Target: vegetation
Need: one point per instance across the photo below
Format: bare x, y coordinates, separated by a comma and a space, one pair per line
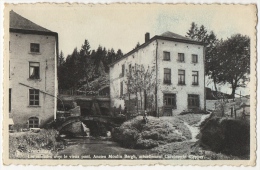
141, 82
85, 65
136, 134
232, 56
25, 142
226, 135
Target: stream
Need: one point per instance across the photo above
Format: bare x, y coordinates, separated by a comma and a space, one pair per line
83, 146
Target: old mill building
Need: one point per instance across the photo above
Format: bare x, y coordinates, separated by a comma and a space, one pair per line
179, 75
33, 52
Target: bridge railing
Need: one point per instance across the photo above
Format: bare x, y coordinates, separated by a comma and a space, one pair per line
75, 92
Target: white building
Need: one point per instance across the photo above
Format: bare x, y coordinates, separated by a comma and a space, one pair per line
33, 52
179, 75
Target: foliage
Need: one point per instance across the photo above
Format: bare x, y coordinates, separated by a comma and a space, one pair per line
136, 134
140, 81
232, 57
210, 40
27, 141
225, 135
85, 65
92, 87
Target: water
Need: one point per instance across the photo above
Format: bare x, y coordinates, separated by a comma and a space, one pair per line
98, 146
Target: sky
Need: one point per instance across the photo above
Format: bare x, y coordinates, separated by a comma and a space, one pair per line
122, 26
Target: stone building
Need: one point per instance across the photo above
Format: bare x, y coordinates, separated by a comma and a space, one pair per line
179, 74
33, 52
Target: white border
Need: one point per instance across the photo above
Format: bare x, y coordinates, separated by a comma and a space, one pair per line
120, 167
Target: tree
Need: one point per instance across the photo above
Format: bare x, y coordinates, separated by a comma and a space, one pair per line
61, 70
71, 70
210, 41
84, 66
193, 31
119, 54
61, 59
140, 82
110, 57
234, 54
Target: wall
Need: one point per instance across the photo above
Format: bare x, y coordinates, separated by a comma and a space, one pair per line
144, 56
181, 91
19, 73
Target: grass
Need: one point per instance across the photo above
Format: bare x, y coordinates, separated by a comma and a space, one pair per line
157, 131
191, 119
25, 142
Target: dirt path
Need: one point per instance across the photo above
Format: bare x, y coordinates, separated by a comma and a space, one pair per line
194, 129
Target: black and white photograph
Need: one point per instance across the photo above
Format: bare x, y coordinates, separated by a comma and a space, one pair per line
139, 82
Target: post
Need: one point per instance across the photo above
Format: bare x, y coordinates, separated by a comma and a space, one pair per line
235, 113
231, 111
240, 95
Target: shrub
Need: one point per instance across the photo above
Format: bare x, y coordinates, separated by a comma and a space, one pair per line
230, 136
27, 141
136, 134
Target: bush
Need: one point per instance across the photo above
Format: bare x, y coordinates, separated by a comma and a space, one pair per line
230, 136
26, 141
136, 134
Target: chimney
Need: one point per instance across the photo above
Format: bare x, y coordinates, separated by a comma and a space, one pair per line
147, 37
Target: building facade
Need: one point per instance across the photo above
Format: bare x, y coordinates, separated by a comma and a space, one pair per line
179, 74
33, 52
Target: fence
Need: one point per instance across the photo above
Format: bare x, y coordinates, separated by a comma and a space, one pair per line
235, 110
75, 92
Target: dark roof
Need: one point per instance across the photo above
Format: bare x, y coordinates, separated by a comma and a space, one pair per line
170, 36
173, 35
21, 24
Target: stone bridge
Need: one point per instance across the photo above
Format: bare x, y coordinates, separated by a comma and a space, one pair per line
94, 113
97, 124
89, 105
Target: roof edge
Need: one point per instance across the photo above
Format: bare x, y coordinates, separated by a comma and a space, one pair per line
23, 31
155, 38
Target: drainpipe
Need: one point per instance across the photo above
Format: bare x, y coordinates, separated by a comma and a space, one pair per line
204, 53
156, 67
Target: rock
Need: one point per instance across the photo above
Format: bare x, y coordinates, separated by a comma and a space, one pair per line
73, 129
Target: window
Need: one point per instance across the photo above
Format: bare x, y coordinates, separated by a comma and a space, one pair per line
33, 97
169, 100
33, 122
167, 76
194, 58
10, 100
181, 57
166, 56
123, 70
195, 76
130, 68
34, 70
35, 48
181, 77
193, 101
121, 89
